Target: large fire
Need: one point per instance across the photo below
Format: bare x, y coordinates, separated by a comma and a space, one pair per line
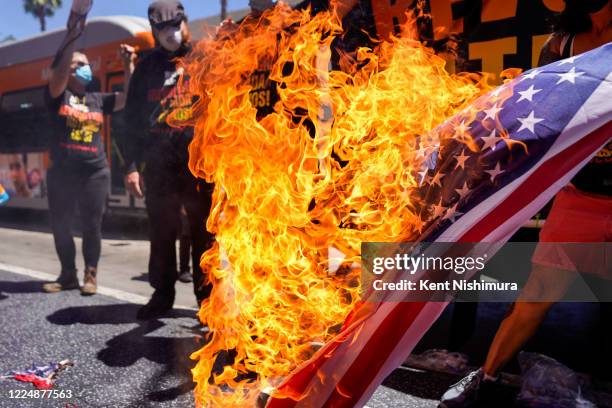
297, 191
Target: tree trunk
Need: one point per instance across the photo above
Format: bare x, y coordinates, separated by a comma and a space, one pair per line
41, 18
223, 10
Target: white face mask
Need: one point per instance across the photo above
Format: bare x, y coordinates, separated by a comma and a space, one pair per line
171, 38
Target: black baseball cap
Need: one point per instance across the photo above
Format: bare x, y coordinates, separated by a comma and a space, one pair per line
166, 12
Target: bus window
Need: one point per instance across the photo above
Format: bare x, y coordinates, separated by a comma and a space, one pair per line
25, 126
23, 100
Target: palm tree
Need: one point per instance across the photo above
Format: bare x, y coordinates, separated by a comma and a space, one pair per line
41, 9
7, 38
223, 10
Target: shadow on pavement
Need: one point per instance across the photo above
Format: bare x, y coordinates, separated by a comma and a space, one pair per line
19, 287
143, 277
171, 348
171, 393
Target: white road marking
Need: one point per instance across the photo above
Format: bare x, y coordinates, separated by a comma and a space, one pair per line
103, 290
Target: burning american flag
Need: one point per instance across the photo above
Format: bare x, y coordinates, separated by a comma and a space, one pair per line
389, 148
560, 117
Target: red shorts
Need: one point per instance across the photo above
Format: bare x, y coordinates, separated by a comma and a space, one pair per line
577, 217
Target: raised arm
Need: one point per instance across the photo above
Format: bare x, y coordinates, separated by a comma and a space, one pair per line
128, 55
60, 68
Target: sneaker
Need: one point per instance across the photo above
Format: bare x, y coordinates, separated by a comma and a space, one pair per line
185, 276
60, 285
90, 285
157, 306
464, 393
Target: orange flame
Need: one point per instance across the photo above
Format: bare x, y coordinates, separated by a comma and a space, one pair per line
286, 213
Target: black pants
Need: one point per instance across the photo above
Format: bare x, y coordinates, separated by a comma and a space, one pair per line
69, 187
167, 189
184, 243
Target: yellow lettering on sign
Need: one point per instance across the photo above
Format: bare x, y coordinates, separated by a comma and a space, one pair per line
491, 53
554, 5
493, 10
442, 18
536, 45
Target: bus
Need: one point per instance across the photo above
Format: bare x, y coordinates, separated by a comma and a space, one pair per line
24, 73
496, 34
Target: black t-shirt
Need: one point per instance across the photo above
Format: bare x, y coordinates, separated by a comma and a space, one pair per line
264, 93
77, 128
596, 176
157, 89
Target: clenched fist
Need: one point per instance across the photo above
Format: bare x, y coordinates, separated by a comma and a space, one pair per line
81, 7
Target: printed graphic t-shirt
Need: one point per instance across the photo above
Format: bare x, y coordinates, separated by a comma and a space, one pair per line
158, 91
264, 94
77, 128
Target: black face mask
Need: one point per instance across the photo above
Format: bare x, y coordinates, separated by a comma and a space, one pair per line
593, 6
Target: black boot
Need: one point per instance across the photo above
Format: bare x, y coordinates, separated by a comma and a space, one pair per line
158, 305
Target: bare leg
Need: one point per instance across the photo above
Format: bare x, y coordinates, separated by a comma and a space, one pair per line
516, 329
543, 289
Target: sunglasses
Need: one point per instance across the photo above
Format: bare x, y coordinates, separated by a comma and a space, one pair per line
176, 23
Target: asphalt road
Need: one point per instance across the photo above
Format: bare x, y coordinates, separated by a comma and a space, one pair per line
123, 362
118, 360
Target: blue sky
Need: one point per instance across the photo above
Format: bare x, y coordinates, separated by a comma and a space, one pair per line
14, 21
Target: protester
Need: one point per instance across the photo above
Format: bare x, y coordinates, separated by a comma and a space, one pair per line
587, 202
158, 89
79, 173
263, 94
